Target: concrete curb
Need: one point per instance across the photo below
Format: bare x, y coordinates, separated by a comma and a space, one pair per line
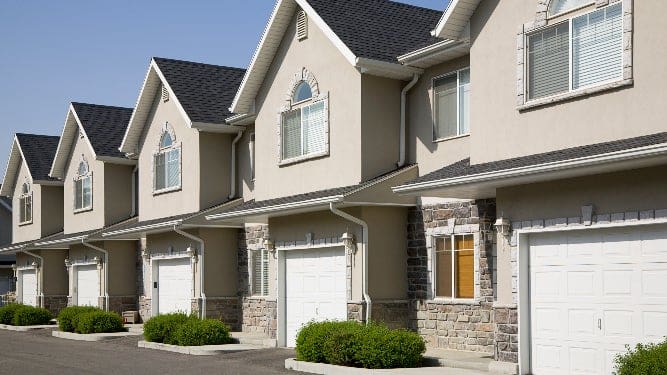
92, 336
26, 328
254, 340
324, 369
199, 350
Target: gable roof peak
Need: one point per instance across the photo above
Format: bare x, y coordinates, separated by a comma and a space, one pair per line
37, 152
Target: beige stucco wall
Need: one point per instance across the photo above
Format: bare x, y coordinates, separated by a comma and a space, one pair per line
52, 209
608, 193
215, 164
186, 199
54, 272
335, 76
94, 218
26, 232
500, 131
380, 125
117, 192
245, 180
421, 147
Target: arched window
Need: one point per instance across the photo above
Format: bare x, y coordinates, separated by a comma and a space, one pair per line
560, 6
83, 188
167, 162
302, 92
25, 204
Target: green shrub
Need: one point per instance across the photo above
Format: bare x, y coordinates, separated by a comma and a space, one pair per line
98, 322
68, 314
31, 316
643, 360
382, 348
350, 344
7, 313
162, 328
195, 332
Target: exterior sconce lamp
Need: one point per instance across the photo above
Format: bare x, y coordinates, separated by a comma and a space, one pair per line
270, 246
35, 264
348, 241
503, 226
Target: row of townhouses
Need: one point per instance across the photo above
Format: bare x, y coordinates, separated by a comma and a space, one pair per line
493, 176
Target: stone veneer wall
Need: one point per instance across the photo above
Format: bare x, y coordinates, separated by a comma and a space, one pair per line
55, 303
444, 324
395, 314
120, 304
226, 309
259, 315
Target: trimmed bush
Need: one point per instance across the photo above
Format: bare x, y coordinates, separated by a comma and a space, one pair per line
162, 328
351, 344
7, 313
31, 316
648, 359
195, 332
68, 314
98, 322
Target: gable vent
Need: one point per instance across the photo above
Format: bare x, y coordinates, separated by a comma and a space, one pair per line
165, 94
302, 25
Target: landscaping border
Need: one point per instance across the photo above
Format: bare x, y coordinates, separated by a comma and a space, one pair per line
199, 350
93, 336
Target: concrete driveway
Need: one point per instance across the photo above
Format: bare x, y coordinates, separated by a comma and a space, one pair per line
37, 352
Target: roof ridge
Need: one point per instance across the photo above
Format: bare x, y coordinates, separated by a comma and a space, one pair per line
38, 135
198, 63
102, 105
416, 6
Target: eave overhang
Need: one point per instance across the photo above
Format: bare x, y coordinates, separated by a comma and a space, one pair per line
455, 19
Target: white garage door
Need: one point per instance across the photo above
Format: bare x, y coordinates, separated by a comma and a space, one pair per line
593, 292
29, 287
315, 288
87, 285
174, 286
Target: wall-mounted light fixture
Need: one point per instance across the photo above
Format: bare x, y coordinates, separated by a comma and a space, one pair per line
503, 226
270, 246
348, 241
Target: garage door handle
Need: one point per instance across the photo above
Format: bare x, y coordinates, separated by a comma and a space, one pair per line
600, 324
155, 285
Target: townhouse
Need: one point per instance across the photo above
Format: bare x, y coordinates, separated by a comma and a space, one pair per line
185, 154
37, 202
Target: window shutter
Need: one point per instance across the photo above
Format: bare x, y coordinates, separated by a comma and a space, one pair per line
291, 134
302, 25
548, 61
265, 272
314, 128
597, 46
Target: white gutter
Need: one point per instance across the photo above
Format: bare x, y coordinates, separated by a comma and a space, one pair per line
232, 188
144, 228
61, 241
106, 271
401, 145
587, 161
364, 244
201, 267
40, 287
419, 54
280, 207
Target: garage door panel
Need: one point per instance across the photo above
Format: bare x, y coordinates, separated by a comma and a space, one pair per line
174, 286
606, 291
88, 285
29, 287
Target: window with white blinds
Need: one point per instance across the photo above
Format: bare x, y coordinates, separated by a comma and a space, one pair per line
583, 51
304, 131
260, 261
83, 188
167, 165
451, 96
25, 204
560, 6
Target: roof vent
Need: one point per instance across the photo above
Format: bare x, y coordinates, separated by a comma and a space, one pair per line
165, 94
302, 25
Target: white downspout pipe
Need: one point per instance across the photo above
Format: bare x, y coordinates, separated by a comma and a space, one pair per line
402, 137
40, 287
232, 188
201, 267
364, 251
106, 271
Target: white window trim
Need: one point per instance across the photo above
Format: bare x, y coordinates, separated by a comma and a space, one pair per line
254, 292
165, 150
76, 179
314, 100
623, 80
458, 106
432, 267
22, 208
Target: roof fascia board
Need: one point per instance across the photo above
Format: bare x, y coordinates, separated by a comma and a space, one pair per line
5, 205
9, 180
242, 119
58, 165
433, 50
588, 161
63, 241
455, 7
276, 208
217, 128
83, 131
382, 68
143, 229
134, 112
115, 160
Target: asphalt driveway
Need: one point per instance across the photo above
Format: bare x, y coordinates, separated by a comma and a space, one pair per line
37, 352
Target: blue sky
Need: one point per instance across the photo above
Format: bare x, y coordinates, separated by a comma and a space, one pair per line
55, 52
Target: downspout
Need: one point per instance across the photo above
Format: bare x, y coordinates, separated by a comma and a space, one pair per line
106, 271
201, 267
402, 137
41, 276
134, 190
232, 188
364, 251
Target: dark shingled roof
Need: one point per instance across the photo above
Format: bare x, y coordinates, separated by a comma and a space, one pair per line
105, 126
205, 91
379, 29
39, 151
463, 168
6, 200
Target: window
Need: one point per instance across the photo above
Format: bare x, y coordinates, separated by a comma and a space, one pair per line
260, 281
167, 163
560, 6
304, 129
83, 188
451, 95
581, 52
25, 204
454, 266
